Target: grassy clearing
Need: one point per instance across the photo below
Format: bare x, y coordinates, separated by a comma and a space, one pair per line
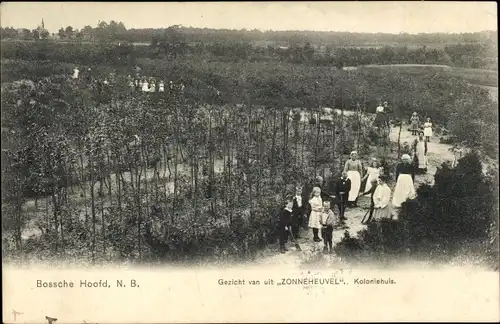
474, 76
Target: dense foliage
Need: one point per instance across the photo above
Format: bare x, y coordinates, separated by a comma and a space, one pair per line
105, 172
466, 55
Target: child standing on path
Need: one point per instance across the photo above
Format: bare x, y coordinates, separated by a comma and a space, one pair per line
285, 222
316, 204
328, 220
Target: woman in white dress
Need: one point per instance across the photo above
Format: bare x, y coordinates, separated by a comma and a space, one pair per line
405, 188
381, 199
145, 86
354, 170
372, 172
316, 205
428, 130
76, 73
420, 147
161, 87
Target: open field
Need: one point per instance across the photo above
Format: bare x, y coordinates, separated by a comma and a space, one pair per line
480, 77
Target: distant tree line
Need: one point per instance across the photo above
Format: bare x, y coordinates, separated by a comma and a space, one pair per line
461, 55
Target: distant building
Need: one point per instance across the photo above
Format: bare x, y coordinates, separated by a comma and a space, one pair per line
41, 30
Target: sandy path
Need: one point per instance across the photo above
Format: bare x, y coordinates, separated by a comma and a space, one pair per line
437, 154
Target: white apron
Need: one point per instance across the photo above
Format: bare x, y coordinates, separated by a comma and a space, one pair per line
404, 190
428, 129
422, 158
373, 173
316, 211
355, 178
145, 87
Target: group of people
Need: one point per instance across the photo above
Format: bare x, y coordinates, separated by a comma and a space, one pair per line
137, 83
416, 128
323, 209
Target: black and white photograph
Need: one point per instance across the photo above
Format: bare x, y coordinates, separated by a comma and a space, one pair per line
344, 146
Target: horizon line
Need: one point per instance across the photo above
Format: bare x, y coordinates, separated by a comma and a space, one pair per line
278, 31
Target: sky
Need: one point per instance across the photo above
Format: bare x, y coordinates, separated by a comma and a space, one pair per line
372, 17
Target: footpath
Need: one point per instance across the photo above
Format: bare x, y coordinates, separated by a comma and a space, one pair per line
312, 251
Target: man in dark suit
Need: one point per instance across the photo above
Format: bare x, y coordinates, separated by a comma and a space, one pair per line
342, 190
374, 183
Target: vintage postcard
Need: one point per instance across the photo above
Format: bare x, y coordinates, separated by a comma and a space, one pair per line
199, 162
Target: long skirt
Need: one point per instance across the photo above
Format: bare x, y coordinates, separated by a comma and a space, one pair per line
414, 126
428, 131
422, 158
404, 190
355, 178
380, 120
380, 213
314, 220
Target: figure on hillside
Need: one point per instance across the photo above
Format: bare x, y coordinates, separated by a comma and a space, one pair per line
299, 210
316, 204
285, 222
428, 129
372, 172
457, 155
405, 175
354, 170
152, 87
145, 86
380, 117
342, 189
371, 191
420, 153
161, 87
414, 123
381, 199
76, 73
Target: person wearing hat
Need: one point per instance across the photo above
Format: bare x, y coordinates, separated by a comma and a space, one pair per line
428, 130
405, 175
381, 199
372, 173
414, 122
354, 170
